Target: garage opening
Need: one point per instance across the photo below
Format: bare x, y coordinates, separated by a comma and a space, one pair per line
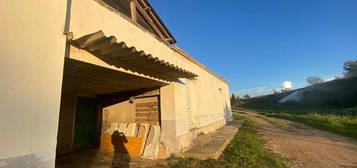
98, 107
110, 100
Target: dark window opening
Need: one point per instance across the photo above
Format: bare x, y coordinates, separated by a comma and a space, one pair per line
121, 5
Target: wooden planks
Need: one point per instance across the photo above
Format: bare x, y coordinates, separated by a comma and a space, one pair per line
149, 20
151, 17
133, 10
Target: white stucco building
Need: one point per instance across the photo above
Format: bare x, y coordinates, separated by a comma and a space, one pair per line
72, 69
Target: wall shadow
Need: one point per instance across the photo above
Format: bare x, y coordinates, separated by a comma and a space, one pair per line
227, 114
119, 158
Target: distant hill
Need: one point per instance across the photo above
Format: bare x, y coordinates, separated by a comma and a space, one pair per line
341, 93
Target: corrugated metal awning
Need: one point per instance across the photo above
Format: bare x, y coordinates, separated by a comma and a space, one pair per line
119, 54
89, 79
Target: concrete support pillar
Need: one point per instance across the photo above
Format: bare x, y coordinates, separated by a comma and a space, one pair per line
168, 124
174, 120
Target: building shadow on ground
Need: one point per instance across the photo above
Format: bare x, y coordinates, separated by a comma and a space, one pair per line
121, 158
95, 157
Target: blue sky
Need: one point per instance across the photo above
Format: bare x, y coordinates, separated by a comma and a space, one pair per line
256, 45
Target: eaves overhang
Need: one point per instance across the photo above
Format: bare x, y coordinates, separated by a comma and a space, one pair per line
152, 15
117, 53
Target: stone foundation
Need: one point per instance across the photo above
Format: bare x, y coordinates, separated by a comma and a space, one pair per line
208, 128
184, 142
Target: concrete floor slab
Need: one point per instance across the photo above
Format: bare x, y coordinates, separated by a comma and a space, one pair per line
94, 158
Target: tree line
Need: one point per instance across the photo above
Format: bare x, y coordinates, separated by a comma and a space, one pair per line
236, 100
349, 71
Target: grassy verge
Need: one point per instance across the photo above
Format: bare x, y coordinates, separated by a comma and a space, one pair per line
277, 124
334, 122
247, 149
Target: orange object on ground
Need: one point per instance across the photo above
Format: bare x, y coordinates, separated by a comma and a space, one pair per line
118, 142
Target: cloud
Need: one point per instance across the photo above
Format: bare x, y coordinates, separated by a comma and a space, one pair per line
326, 79
263, 90
329, 79
258, 91
287, 85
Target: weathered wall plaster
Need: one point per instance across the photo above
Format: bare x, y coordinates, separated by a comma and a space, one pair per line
123, 112
32, 55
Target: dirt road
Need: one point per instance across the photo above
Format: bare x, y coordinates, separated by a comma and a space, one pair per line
305, 146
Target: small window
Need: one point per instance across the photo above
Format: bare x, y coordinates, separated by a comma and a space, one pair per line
121, 5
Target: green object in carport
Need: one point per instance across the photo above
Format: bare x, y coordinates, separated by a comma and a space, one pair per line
86, 123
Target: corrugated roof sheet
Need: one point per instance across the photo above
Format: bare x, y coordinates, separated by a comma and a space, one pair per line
119, 54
